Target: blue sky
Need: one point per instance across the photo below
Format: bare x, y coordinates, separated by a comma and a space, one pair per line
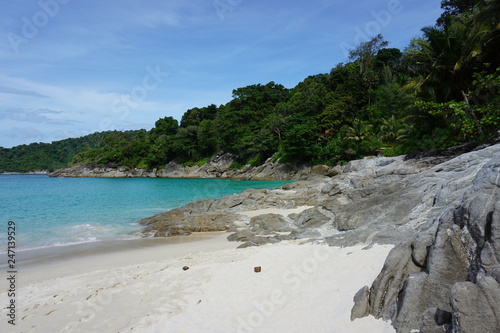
74, 67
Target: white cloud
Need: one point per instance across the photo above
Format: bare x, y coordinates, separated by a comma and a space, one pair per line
22, 133
14, 91
40, 116
69, 77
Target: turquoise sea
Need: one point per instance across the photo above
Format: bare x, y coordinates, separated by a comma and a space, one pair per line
62, 211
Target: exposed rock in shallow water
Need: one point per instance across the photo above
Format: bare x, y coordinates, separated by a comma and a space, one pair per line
226, 213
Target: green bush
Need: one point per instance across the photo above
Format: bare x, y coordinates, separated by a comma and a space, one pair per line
198, 163
237, 165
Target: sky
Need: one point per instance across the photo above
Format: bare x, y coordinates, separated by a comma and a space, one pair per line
74, 67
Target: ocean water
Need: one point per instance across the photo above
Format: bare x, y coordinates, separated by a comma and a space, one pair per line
62, 211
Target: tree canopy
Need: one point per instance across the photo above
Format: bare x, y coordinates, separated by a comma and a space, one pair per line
442, 90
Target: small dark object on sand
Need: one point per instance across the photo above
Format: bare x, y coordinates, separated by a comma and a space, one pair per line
257, 269
185, 268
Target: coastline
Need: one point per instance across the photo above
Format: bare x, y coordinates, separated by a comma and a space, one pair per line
219, 166
374, 206
59, 261
41, 172
143, 288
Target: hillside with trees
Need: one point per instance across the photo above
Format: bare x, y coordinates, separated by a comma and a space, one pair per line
55, 155
442, 90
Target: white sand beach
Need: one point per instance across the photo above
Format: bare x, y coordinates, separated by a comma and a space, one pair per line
301, 288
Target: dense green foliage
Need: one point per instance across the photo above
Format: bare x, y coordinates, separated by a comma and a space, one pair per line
442, 90
52, 156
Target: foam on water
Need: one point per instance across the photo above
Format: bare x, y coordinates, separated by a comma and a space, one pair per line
64, 211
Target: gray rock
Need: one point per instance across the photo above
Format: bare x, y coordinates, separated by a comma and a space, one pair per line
240, 235
370, 163
258, 241
371, 234
183, 222
312, 218
476, 305
388, 284
420, 249
361, 306
271, 222
307, 233
445, 277
435, 320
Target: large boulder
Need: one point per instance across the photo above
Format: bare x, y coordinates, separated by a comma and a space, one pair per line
447, 276
271, 222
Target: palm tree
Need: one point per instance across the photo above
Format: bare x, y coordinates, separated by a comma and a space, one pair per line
487, 12
358, 132
487, 15
450, 54
392, 130
447, 58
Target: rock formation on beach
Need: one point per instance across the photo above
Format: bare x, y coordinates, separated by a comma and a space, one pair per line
441, 212
446, 277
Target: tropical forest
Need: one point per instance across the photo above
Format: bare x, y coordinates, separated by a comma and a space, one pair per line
442, 90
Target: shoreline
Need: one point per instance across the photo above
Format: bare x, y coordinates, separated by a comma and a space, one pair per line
24, 173
146, 289
219, 166
141, 286
58, 261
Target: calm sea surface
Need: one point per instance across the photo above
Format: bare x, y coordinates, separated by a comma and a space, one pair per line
63, 211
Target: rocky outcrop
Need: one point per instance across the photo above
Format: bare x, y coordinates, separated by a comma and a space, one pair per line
442, 213
380, 200
446, 277
219, 166
228, 213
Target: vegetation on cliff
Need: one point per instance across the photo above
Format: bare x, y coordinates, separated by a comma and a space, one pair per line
442, 90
